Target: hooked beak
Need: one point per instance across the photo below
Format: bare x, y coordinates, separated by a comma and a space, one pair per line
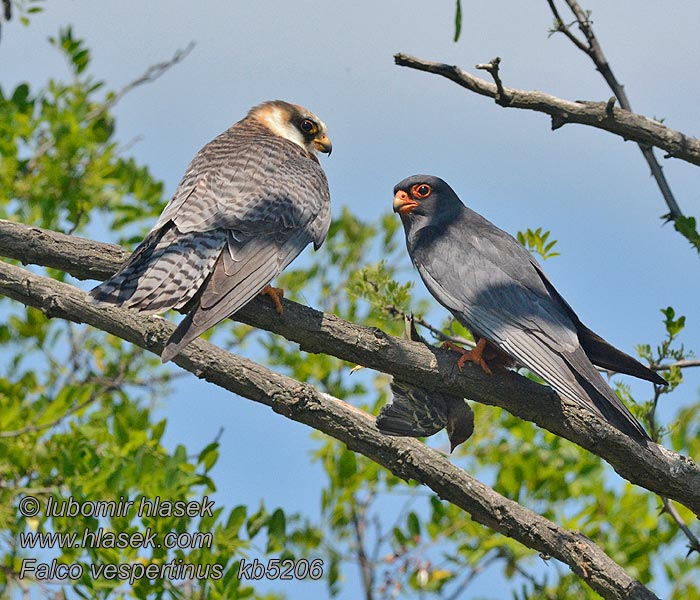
403, 204
323, 144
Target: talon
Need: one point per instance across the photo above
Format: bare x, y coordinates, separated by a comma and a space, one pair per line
475, 355
276, 294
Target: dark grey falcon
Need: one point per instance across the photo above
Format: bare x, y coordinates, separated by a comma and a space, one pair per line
250, 201
495, 288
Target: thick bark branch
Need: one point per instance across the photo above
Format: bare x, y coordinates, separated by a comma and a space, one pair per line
650, 466
406, 458
628, 125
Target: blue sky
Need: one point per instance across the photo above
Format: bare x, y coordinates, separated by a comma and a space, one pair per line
618, 265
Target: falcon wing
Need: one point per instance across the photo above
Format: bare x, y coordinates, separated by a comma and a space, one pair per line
487, 280
412, 412
279, 221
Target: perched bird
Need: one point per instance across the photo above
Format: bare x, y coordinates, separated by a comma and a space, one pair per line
250, 201
413, 412
495, 288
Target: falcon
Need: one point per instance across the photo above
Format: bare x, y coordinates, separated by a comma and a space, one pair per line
248, 204
413, 412
495, 288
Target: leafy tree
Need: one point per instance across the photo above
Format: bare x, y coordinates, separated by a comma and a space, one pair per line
76, 418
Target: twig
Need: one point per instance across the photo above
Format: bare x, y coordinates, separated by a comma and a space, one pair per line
681, 364
358, 513
437, 333
594, 51
492, 67
670, 509
151, 74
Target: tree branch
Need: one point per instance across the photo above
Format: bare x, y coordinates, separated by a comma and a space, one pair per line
406, 458
594, 51
650, 466
151, 74
626, 124
681, 364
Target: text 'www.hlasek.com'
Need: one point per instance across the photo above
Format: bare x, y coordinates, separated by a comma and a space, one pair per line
102, 537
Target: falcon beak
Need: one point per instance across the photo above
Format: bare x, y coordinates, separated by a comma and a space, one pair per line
323, 144
403, 204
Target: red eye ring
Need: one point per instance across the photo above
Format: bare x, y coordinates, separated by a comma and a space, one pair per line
421, 190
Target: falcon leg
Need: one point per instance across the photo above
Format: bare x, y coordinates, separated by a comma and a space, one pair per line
475, 355
276, 294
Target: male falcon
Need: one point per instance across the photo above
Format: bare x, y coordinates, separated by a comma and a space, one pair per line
494, 287
250, 201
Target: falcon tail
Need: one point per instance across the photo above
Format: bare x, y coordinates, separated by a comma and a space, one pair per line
602, 399
165, 271
605, 355
600, 353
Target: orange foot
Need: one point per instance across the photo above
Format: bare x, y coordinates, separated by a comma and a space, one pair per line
475, 355
276, 294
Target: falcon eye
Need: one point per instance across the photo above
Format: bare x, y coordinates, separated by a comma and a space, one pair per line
307, 126
422, 191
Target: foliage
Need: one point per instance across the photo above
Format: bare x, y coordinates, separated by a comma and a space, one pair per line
76, 409
687, 227
536, 242
458, 20
76, 405
24, 8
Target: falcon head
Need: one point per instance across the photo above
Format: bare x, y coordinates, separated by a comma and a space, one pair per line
425, 196
422, 195
294, 123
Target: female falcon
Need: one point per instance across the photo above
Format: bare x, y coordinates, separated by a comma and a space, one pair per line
250, 201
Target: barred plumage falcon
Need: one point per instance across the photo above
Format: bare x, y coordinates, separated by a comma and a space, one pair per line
414, 412
250, 201
493, 286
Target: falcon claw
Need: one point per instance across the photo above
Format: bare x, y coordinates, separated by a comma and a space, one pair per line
276, 294
475, 355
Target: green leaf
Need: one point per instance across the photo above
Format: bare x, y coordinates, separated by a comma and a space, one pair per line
687, 227
458, 20
413, 525
256, 522
276, 531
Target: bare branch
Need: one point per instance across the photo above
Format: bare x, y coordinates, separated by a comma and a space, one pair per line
359, 524
151, 74
681, 364
406, 458
650, 465
626, 124
593, 49
670, 509
566, 29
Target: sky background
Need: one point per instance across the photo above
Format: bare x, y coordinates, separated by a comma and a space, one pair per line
618, 264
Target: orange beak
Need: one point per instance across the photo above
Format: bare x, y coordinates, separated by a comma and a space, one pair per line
403, 204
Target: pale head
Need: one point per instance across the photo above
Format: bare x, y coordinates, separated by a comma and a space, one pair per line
294, 123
